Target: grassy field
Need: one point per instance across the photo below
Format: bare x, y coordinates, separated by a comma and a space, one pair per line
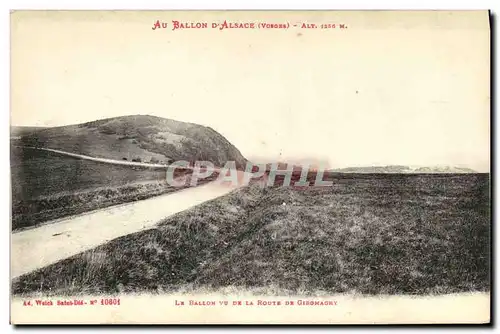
47, 185
368, 234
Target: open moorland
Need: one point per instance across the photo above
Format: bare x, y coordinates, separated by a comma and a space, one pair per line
367, 233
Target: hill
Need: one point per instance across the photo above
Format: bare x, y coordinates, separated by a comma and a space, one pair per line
148, 138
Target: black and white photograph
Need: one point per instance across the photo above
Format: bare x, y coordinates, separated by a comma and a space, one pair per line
250, 167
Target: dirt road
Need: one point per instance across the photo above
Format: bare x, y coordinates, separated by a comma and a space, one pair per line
36, 248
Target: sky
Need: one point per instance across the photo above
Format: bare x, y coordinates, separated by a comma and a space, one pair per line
408, 88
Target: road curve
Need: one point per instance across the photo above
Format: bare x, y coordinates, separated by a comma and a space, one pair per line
36, 248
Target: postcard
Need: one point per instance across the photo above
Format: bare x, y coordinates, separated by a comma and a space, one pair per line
250, 167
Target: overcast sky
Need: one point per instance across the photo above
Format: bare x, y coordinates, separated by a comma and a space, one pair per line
393, 88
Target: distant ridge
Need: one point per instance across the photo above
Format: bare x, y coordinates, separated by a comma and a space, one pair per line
398, 169
389, 169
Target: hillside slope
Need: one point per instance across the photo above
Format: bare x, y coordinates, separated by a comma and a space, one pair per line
148, 138
18, 131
